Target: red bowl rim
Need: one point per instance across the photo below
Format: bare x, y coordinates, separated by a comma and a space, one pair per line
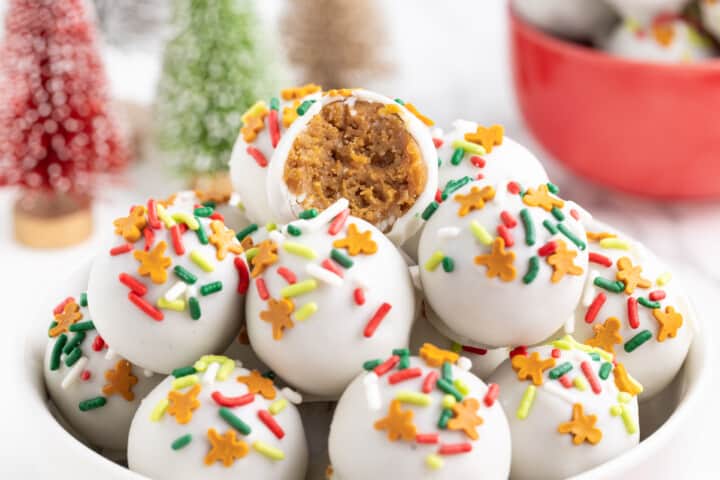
589, 54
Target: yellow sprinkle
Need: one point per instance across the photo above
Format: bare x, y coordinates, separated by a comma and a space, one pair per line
455, 347
469, 147
267, 450
186, 381
277, 406
630, 426
227, 367
259, 108
481, 235
163, 215
562, 344
250, 253
414, 398
461, 386
201, 261
448, 401
300, 250
159, 410
434, 461
187, 219
178, 305
434, 260
664, 279
615, 243
580, 384
526, 402
305, 311
615, 410
270, 227
624, 397
202, 364
299, 288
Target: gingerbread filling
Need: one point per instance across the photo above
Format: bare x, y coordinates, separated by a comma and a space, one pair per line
362, 152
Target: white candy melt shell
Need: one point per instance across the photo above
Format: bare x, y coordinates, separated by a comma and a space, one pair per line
157, 427
525, 307
329, 336
653, 363
644, 11
536, 411
358, 450
84, 382
285, 206
177, 339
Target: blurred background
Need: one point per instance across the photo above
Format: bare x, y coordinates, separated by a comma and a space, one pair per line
163, 63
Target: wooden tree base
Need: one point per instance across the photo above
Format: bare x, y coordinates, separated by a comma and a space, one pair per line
52, 220
215, 187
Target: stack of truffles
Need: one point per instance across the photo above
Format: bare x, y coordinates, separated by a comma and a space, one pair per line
432, 291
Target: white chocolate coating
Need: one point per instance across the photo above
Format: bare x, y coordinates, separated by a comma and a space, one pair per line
539, 450
424, 331
654, 364
710, 12
248, 177
644, 11
493, 312
149, 447
322, 353
684, 44
509, 161
285, 206
360, 451
160, 346
573, 19
67, 386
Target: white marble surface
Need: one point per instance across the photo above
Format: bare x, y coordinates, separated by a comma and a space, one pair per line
451, 62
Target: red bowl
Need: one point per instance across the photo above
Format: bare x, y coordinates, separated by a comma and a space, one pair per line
646, 128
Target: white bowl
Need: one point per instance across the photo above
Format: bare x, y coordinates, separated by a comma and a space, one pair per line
669, 424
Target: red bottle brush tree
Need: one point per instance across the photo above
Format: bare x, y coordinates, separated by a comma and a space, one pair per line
56, 131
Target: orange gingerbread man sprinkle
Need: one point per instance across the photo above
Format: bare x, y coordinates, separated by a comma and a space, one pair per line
225, 448
435, 357
265, 257
499, 263
289, 114
295, 93
217, 196
487, 137
169, 201
607, 335
223, 239
474, 200
424, 119
254, 121
181, 405
357, 242
339, 92
398, 423
531, 367
562, 262
120, 381
131, 227
466, 418
664, 33
631, 275
624, 382
542, 198
597, 236
69, 315
669, 320
278, 315
256, 383
581, 427
154, 263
